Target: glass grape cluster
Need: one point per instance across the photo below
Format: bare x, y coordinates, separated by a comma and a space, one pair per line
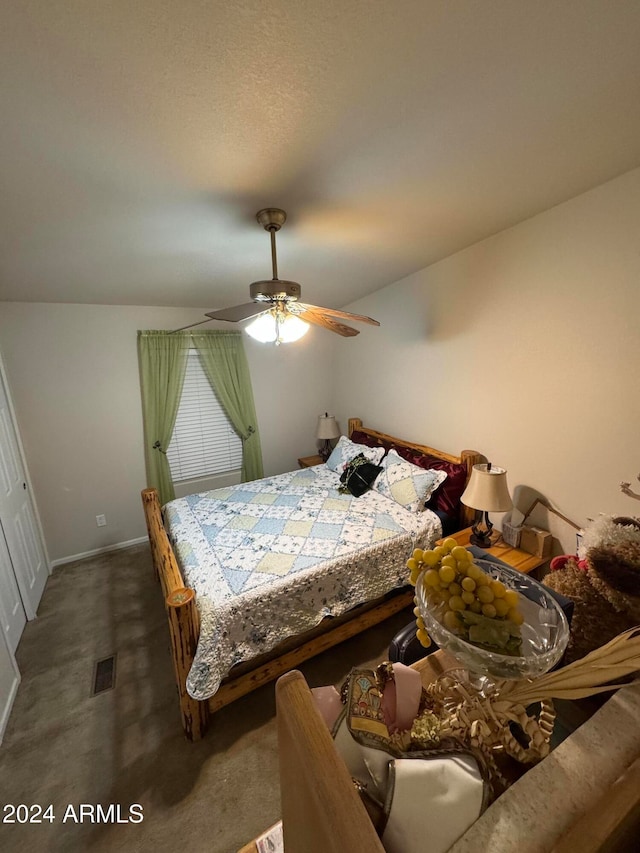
468, 602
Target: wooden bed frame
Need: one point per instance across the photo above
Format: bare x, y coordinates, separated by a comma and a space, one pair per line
184, 627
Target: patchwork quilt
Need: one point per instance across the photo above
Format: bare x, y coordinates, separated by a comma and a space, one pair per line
271, 558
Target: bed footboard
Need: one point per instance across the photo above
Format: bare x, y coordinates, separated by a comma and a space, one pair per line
182, 613
184, 629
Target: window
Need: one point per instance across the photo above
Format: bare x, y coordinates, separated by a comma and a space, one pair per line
204, 442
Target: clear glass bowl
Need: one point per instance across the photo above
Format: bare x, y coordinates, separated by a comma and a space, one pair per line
545, 631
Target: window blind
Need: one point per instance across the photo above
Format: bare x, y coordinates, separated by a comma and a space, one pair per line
203, 441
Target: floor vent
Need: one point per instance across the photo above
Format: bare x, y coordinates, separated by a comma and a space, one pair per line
104, 676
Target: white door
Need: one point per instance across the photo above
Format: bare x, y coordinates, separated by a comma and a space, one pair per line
12, 615
17, 517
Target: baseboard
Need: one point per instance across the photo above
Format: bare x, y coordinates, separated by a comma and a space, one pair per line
117, 547
6, 711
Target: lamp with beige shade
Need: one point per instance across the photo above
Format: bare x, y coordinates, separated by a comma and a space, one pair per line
486, 492
328, 429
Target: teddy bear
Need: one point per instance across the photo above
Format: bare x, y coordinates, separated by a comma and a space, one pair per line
603, 580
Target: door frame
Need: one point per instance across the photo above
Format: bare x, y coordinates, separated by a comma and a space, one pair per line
5, 710
28, 609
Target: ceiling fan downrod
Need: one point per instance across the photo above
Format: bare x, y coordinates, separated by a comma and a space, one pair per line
274, 261
272, 219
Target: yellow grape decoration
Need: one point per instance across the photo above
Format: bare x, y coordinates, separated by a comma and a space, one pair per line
467, 601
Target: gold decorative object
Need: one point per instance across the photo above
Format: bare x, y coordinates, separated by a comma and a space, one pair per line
471, 712
479, 712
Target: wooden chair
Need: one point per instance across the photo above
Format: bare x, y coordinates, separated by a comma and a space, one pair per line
321, 809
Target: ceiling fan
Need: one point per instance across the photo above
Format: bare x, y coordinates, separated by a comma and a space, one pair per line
279, 316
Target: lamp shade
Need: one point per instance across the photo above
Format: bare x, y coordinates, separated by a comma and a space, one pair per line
487, 489
327, 427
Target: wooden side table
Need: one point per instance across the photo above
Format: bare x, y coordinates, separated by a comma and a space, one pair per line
514, 557
310, 461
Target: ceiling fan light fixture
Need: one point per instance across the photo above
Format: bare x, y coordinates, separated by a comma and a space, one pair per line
277, 327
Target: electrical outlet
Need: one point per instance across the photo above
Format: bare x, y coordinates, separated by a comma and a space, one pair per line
101, 520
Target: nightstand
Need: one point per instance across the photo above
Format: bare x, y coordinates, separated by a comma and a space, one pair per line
514, 557
310, 461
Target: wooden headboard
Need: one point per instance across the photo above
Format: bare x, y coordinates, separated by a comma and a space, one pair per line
468, 458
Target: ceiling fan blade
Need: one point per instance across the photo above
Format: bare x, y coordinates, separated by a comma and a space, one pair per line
239, 312
328, 323
190, 326
344, 315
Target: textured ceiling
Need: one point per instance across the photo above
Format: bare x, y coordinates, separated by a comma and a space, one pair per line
138, 139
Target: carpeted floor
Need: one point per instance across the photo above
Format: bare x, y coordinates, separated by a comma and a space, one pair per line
65, 747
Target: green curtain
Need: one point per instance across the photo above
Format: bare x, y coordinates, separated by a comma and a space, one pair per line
163, 362
224, 361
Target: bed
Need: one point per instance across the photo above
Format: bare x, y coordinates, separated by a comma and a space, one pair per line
262, 576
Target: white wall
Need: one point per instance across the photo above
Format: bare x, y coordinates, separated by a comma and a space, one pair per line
525, 346
73, 374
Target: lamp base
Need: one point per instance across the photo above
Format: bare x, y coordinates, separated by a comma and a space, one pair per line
480, 541
325, 450
481, 531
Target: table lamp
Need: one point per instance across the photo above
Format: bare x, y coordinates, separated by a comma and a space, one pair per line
486, 492
327, 429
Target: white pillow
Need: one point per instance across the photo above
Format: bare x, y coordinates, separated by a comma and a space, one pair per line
406, 483
346, 450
